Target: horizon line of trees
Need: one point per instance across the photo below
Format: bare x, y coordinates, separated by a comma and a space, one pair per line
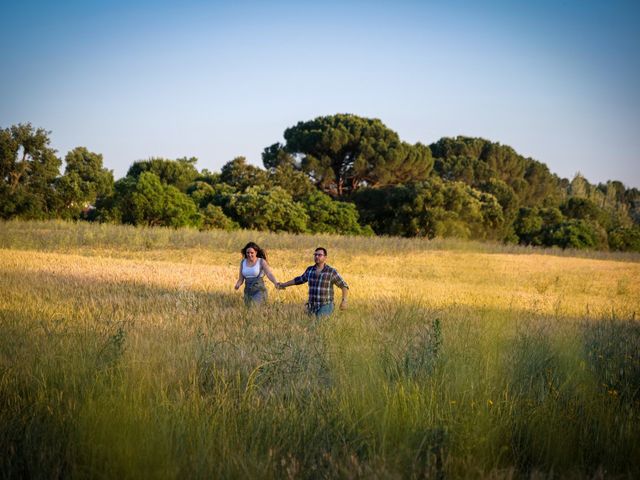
336, 174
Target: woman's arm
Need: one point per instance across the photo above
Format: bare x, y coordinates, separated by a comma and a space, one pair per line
268, 272
240, 278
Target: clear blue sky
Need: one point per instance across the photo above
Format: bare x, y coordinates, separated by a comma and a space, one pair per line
556, 80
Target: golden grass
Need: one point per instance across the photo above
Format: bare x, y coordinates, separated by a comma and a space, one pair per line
126, 353
572, 287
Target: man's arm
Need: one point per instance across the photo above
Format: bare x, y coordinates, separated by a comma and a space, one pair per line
340, 283
283, 285
345, 294
295, 281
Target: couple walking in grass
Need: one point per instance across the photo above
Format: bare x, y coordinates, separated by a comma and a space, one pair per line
320, 276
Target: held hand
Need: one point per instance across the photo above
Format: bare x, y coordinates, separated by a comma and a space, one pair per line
343, 305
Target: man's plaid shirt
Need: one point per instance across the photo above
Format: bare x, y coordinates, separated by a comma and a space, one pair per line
320, 286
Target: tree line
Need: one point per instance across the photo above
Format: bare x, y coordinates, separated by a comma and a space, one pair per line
333, 174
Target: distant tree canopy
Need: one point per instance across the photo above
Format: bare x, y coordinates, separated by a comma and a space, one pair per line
83, 183
280, 199
431, 209
146, 200
28, 169
339, 174
547, 226
239, 174
477, 162
179, 173
342, 153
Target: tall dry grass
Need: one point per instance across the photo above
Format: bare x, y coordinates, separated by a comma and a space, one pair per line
126, 353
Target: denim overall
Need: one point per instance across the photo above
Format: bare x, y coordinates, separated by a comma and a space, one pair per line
255, 291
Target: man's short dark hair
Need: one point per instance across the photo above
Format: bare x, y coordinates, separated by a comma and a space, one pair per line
324, 250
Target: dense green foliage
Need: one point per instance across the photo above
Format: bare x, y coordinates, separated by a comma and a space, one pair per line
342, 153
83, 182
431, 209
31, 186
478, 162
28, 169
335, 174
179, 173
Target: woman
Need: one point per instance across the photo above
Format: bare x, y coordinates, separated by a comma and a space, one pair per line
253, 267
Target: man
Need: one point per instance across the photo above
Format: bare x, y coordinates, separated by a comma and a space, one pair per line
321, 278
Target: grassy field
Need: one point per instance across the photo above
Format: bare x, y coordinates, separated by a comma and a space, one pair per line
126, 353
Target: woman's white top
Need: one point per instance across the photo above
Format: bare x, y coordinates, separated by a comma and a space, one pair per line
252, 272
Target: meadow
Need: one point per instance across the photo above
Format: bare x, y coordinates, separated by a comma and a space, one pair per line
126, 353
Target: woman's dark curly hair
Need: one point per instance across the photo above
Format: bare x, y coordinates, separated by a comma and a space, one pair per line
260, 253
